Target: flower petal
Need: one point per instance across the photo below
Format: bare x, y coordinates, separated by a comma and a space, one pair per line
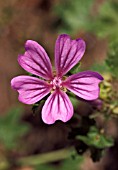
35, 60
30, 89
84, 84
67, 53
57, 107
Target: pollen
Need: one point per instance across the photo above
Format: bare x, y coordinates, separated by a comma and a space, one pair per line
57, 84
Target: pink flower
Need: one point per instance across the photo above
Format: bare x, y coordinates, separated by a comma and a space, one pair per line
32, 89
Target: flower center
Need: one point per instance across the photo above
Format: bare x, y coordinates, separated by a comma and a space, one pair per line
56, 82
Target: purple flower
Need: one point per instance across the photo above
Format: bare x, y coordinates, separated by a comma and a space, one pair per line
36, 61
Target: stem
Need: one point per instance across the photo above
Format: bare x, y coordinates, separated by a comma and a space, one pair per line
45, 157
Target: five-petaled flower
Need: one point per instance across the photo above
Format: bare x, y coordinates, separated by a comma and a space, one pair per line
32, 89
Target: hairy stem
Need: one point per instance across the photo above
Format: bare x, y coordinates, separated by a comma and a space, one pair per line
45, 157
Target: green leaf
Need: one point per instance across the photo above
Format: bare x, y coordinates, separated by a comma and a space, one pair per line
11, 128
101, 68
76, 15
74, 101
106, 22
73, 14
112, 59
69, 164
75, 69
96, 139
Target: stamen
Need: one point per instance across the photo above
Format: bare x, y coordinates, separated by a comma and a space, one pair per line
57, 84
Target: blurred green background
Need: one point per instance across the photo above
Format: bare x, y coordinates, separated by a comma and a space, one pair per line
23, 135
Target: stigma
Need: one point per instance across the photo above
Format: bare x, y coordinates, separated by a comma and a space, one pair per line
56, 83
